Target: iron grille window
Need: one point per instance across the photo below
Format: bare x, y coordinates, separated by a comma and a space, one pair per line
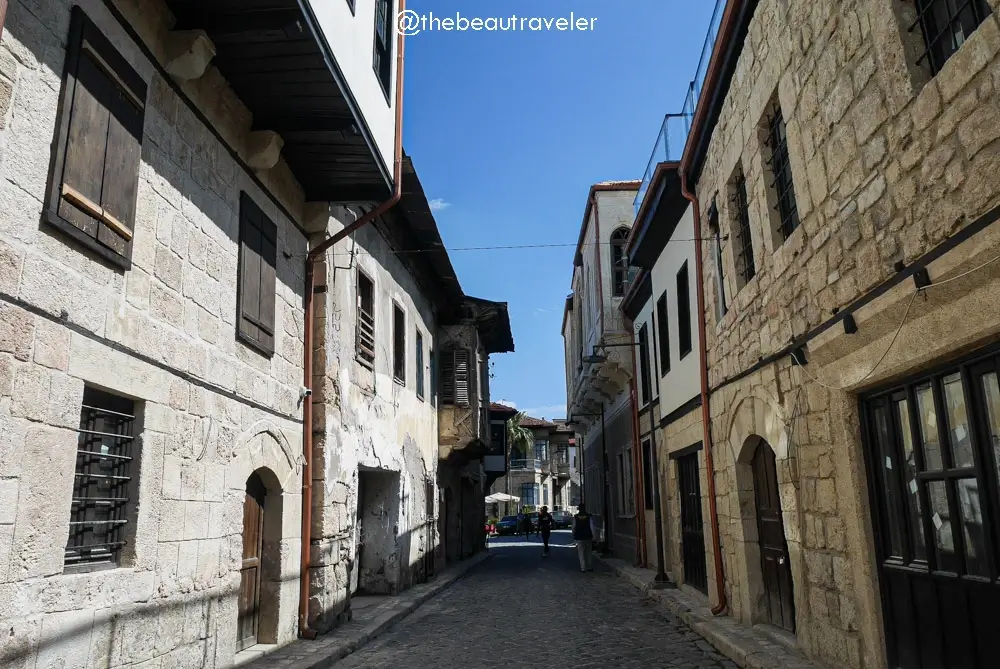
382, 59
945, 25
398, 344
365, 344
683, 312
781, 172
103, 490
744, 256
619, 262
720, 289
664, 327
420, 365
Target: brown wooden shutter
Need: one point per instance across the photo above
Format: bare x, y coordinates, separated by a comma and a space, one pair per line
462, 374
448, 377
257, 278
99, 145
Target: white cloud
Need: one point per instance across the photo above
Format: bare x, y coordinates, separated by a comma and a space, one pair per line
437, 204
551, 411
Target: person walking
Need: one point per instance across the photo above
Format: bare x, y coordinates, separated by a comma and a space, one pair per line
584, 533
526, 525
545, 524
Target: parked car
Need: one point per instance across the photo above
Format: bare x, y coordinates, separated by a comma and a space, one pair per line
506, 525
563, 519
534, 520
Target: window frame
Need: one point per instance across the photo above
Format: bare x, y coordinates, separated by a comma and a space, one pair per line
86, 37
249, 208
362, 357
382, 58
398, 343
645, 386
931, 57
619, 262
419, 364
684, 336
95, 401
663, 325
746, 268
782, 184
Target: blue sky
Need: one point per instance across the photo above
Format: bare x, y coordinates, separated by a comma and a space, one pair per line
507, 131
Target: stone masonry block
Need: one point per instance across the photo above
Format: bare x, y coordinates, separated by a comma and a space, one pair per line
264, 149
8, 500
188, 54
11, 260
31, 392
968, 61
52, 344
65, 396
980, 128
7, 366
17, 331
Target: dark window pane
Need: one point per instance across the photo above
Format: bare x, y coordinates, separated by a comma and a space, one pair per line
944, 538
958, 423
929, 429
991, 397
911, 490
888, 466
973, 535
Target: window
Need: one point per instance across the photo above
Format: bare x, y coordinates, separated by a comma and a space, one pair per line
744, 241
365, 344
382, 60
644, 371
945, 25
781, 173
619, 262
647, 473
541, 449
420, 365
529, 494
626, 489
398, 344
664, 328
720, 286
683, 312
545, 495
257, 280
104, 490
434, 388
621, 484
95, 171
456, 380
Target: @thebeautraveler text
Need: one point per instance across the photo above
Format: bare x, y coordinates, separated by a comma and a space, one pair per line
410, 22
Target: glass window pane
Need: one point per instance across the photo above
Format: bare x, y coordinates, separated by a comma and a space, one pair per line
958, 423
944, 541
976, 559
910, 486
991, 397
928, 429
887, 476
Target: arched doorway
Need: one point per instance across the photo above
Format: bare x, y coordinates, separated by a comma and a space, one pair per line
775, 565
260, 576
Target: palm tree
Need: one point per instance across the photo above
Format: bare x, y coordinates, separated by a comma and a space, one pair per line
519, 438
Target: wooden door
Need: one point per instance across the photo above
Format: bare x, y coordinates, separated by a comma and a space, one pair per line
253, 534
692, 525
933, 446
774, 563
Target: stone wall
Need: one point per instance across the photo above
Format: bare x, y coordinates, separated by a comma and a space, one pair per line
368, 424
887, 163
211, 411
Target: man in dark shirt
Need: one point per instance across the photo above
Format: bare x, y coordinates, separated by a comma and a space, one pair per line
545, 524
583, 532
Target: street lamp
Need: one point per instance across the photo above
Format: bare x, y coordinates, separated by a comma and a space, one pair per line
606, 513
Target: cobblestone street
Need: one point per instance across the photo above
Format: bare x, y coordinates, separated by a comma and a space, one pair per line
520, 609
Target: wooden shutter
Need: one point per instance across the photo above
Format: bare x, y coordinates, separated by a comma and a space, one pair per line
448, 377
257, 279
99, 144
462, 376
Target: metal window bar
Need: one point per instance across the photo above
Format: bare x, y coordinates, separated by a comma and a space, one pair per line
945, 25
619, 262
366, 335
102, 479
781, 171
744, 257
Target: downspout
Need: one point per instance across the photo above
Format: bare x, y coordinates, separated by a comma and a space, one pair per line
307, 359
705, 413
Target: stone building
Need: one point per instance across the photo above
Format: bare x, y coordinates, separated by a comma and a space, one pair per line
845, 156
541, 476
175, 365
599, 365
661, 308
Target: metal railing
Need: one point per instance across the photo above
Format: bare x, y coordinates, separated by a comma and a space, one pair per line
674, 130
523, 464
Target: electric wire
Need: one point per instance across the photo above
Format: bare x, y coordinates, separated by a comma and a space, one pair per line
899, 329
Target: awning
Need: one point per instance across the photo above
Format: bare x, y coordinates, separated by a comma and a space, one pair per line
501, 497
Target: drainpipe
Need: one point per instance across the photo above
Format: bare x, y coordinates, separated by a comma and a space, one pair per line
705, 413
307, 362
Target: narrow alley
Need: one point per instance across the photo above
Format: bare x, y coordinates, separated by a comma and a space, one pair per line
519, 609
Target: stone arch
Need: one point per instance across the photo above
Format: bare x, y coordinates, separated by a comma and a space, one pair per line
263, 444
757, 419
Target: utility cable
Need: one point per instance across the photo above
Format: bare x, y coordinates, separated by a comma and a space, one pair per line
899, 329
